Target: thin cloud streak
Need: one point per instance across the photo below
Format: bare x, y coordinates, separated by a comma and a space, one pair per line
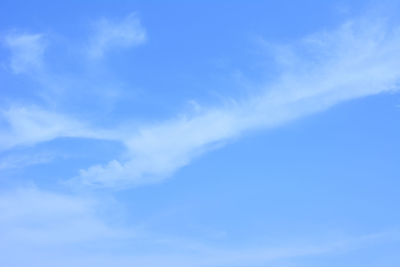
30, 216
28, 126
38, 221
116, 34
20, 161
27, 51
358, 59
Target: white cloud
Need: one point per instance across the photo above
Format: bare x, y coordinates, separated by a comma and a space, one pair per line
30, 125
64, 229
29, 216
156, 151
357, 60
116, 34
27, 51
20, 161
35, 225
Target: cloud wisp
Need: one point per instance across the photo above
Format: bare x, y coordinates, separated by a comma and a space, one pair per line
26, 51
116, 34
33, 216
356, 60
53, 228
37, 223
27, 126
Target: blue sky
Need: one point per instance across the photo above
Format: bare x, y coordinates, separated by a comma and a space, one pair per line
177, 133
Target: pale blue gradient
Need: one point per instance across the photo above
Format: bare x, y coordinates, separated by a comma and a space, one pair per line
147, 133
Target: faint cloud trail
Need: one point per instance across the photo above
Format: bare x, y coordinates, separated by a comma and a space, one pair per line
358, 59
116, 34
27, 51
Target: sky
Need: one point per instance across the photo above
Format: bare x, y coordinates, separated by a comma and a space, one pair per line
188, 133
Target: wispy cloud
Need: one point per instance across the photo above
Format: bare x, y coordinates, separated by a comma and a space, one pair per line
29, 125
54, 228
21, 161
37, 223
356, 60
32, 216
27, 51
116, 34
267, 255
